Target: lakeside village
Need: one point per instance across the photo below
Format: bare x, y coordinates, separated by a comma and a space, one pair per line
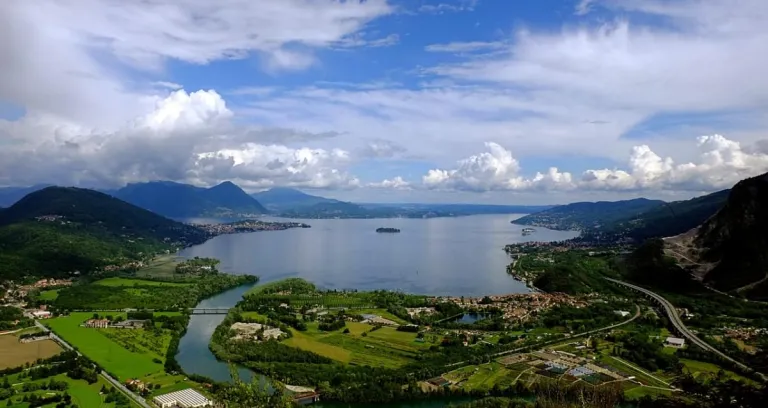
248, 226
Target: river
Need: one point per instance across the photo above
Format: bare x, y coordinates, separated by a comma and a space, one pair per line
438, 256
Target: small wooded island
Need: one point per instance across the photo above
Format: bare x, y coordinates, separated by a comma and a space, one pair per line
389, 230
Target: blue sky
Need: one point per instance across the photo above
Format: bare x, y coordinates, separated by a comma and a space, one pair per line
490, 101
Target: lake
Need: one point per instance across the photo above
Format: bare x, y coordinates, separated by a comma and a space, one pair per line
438, 256
461, 256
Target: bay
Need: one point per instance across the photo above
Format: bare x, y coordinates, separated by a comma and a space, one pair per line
458, 256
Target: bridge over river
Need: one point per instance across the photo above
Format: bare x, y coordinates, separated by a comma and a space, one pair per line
209, 311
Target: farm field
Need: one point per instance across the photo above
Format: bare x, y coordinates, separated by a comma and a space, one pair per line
135, 282
100, 348
385, 347
160, 267
13, 353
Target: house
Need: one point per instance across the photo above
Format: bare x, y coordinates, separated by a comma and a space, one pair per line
97, 323
674, 342
41, 314
622, 313
186, 398
135, 385
302, 395
439, 382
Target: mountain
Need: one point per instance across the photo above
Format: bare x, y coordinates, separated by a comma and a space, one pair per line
10, 195
58, 230
589, 215
182, 200
729, 251
671, 218
281, 199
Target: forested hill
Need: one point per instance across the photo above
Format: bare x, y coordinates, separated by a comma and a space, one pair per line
183, 200
734, 242
589, 215
57, 231
671, 218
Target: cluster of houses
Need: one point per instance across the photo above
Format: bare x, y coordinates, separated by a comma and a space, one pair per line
105, 323
518, 306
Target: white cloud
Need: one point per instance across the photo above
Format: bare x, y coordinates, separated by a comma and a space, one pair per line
68, 57
396, 183
721, 163
187, 137
456, 6
495, 169
470, 46
584, 7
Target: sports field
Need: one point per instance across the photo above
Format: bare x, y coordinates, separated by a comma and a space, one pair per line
108, 353
14, 353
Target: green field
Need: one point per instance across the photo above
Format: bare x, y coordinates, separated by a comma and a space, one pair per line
49, 294
83, 394
100, 348
699, 368
135, 282
160, 267
385, 347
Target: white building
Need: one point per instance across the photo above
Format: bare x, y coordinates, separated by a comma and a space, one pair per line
622, 313
674, 342
41, 314
187, 398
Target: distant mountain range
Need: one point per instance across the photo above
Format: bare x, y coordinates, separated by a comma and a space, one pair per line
183, 200
588, 215
10, 195
59, 230
281, 199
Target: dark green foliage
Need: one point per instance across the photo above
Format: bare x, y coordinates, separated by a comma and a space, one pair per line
646, 352
586, 215
90, 230
736, 239
672, 218
581, 319
13, 318
102, 297
648, 265
577, 273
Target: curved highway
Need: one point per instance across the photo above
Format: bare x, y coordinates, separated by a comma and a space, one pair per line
671, 312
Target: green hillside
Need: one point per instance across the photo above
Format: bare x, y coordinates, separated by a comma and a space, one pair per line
57, 231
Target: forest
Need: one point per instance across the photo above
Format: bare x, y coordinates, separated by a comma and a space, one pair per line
93, 296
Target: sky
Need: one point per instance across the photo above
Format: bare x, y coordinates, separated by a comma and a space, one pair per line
473, 101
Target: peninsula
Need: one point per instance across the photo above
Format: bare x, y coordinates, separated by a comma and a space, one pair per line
248, 226
388, 230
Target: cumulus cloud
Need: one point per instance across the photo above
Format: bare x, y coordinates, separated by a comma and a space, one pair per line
721, 163
186, 137
66, 57
495, 169
396, 183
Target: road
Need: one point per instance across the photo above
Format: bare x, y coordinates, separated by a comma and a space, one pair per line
559, 339
674, 317
135, 397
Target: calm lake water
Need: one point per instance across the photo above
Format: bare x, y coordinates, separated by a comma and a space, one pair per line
437, 256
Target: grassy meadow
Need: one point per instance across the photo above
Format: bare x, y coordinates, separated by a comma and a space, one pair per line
108, 348
385, 347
